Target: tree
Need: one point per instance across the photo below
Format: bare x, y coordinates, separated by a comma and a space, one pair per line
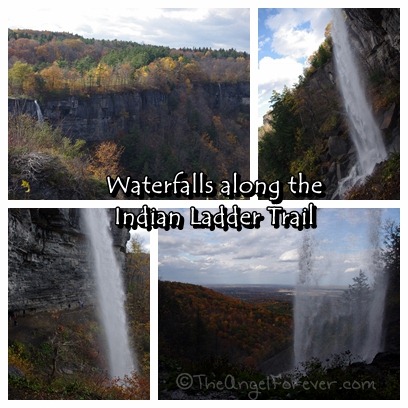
105, 161
137, 263
359, 291
124, 73
59, 341
391, 259
391, 254
54, 77
20, 78
138, 299
103, 75
277, 148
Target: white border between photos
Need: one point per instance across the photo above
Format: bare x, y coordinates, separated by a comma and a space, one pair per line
75, 7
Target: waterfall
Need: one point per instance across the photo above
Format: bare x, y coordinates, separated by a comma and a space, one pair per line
110, 292
329, 322
376, 313
220, 97
363, 129
40, 116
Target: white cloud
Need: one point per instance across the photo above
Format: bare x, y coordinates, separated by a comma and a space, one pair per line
259, 267
351, 270
262, 42
296, 43
291, 35
265, 255
277, 72
173, 27
274, 74
295, 35
290, 256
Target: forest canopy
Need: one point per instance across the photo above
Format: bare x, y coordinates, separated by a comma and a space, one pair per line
48, 62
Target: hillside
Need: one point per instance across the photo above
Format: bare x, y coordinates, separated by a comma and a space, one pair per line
201, 330
207, 324
81, 109
213, 346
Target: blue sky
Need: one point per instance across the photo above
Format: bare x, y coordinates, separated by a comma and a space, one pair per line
286, 38
173, 27
268, 255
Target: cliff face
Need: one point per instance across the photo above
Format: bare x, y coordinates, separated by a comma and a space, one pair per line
99, 117
48, 253
375, 34
375, 38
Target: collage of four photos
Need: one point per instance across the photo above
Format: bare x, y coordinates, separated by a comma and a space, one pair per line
203, 203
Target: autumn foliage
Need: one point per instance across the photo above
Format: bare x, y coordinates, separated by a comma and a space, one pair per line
105, 160
187, 120
197, 323
48, 62
63, 357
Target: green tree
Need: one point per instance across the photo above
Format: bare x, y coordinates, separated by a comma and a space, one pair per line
137, 263
391, 259
20, 78
391, 254
277, 148
138, 300
359, 292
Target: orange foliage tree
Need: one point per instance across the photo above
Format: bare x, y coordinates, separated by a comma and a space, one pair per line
105, 160
54, 77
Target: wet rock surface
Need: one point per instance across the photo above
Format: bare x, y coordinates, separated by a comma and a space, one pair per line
49, 267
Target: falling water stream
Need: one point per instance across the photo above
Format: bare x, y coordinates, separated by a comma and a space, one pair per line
40, 116
363, 128
110, 292
327, 322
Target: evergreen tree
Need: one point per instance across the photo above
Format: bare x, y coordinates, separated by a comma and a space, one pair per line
359, 292
391, 255
277, 148
391, 258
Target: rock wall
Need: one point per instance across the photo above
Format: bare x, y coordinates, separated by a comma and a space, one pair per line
99, 117
48, 252
375, 34
375, 37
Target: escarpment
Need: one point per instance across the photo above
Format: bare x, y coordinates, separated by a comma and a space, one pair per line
49, 268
